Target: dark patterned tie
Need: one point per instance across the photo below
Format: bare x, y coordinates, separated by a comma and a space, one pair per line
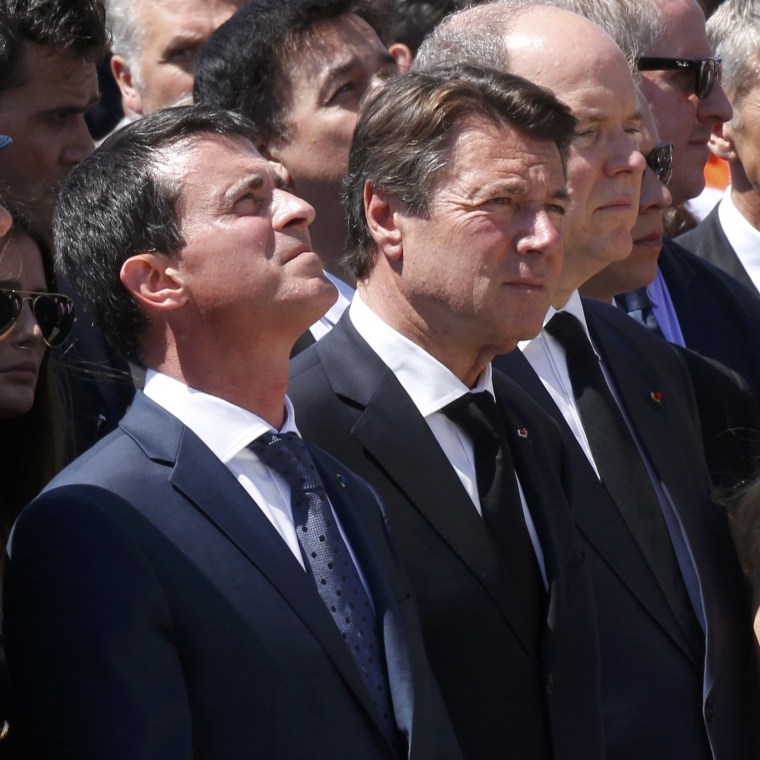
639, 306
622, 469
330, 566
476, 414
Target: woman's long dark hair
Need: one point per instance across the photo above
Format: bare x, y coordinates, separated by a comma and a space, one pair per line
32, 445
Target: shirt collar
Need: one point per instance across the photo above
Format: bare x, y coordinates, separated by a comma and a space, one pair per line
430, 384
224, 427
573, 306
345, 294
743, 237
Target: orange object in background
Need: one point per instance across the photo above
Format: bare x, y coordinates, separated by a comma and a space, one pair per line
716, 173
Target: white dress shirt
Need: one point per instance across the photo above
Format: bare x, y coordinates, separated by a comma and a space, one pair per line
326, 323
227, 430
743, 237
549, 360
431, 386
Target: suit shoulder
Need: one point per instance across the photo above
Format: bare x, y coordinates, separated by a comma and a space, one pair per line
681, 266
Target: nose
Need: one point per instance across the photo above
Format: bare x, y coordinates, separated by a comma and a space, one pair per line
79, 143
541, 234
654, 195
26, 330
624, 156
716, 107
290, 211
5, 220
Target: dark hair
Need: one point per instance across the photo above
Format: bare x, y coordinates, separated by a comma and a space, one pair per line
404, 135
117, 202
412, 20
73, 28
32, 445
245, 64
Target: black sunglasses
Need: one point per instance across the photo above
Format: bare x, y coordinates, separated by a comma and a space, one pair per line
53, 312
707, 70
660, 161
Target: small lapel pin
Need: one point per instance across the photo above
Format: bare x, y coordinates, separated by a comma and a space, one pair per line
522, 432
341, 480
656, 396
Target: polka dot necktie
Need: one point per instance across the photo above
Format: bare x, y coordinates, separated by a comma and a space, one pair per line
330, 565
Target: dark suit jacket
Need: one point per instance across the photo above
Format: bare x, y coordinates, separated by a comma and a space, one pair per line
708, 241
660, 700
718, 316
152, 611
504, 698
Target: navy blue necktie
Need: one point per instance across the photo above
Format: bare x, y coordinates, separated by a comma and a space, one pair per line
330, 566
639, 306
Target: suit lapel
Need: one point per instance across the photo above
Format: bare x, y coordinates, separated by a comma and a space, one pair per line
714, 247
595, 515
210, 487
394, 433
648, 410
381, 573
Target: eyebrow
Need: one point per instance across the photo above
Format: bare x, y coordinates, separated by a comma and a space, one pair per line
251, 182
342, 69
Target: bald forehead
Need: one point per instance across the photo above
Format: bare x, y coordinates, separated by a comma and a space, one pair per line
562, 50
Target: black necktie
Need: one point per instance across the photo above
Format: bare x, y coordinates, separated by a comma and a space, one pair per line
330, 565
476, 414
621, 468
639, 306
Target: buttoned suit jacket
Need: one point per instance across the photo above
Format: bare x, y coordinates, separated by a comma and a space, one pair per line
661, 699
708, 241
718, 316
153, 611
504, 699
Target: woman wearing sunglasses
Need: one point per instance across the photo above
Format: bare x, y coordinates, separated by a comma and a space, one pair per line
33, 318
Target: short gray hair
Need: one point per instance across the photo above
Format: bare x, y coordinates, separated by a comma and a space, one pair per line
127, 36
734, 33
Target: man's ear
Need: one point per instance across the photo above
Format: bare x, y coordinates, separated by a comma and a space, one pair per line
131, 100
403, 55
383, 222
153, 282
722, 141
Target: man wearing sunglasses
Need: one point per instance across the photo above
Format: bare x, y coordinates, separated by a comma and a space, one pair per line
730, 235
691, 302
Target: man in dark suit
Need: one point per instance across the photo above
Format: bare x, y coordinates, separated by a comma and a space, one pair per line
694, 305
665, 577
455, 192
200, 583
729, 236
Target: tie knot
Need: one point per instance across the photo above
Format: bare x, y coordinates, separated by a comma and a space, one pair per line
568, 330
634, 300
286, 454
477, 415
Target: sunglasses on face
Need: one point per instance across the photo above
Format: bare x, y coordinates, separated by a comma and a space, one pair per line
660, 161
53, 312
706, 70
